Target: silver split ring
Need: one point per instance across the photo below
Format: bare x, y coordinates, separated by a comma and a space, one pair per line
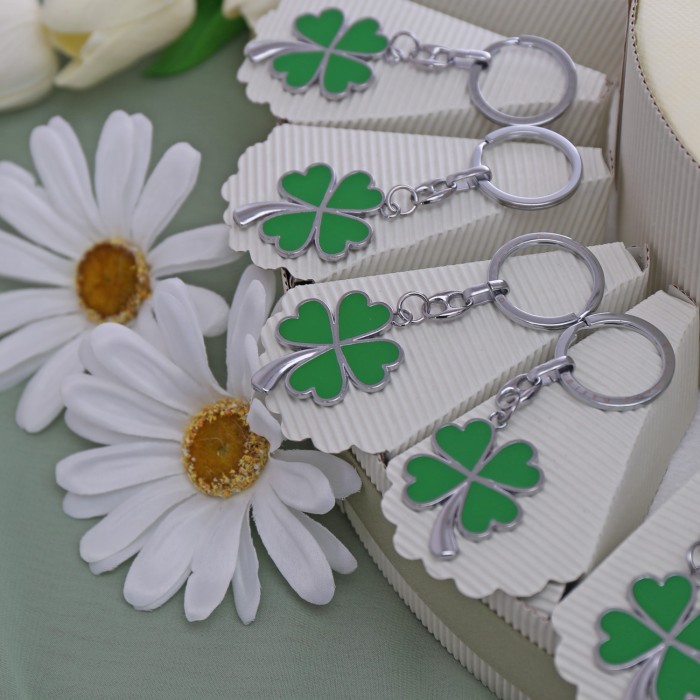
552, 239
530, 133
633, 323
533, 42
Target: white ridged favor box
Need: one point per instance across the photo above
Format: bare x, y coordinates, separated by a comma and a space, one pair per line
449, 366
404, 98
658, 548
468, 226
506, 641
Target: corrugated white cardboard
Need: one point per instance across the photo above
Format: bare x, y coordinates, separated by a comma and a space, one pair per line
406, 99
468, 226
452, 365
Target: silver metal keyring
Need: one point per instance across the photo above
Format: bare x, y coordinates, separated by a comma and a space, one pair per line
529, 133
533, 42
550, 239
690, 558
633, 323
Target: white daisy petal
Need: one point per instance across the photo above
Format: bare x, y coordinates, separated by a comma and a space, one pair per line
113, 166
37, 339
251, 360
146, 326
343, 479
61, 164
41, 400
17, 172
295, 552
78, 162
133, 362
22, 306
83, 507
300, 486
167, 554
175, 585
26, 208
177, 318
214, 560
262, 422
167, 188
108, 405
245, 360
105, 469
337, 554
124, 523
21, 371
95, 433
21, 260
198, 249
211, 309
142, 144
249, 310
251, 303
246, 582
110, 563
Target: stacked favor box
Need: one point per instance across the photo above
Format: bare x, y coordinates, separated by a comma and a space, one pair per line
500, 628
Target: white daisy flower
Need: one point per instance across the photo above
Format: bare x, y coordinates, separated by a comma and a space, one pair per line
94, 255
187, 462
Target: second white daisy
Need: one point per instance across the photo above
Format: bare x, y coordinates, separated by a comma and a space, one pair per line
187, 462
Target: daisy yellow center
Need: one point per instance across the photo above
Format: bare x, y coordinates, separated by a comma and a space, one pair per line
112, 280
220, 453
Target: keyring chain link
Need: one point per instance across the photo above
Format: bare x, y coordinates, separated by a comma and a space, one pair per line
444, 306
511, 396
432, 57
432, 191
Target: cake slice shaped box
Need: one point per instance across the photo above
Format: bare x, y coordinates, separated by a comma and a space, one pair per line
467, 226
403, 97
657, 550
612, 463
449, 366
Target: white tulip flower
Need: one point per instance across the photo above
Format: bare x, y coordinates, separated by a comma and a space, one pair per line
102, 37
28, 61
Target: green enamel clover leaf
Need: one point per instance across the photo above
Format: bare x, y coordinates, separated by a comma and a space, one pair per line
334, 350
476, 484
660, 636
318, 211
329, 53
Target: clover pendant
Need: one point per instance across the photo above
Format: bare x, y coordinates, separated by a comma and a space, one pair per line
317, 210
474, 483
333, 350
659, 636
329, 53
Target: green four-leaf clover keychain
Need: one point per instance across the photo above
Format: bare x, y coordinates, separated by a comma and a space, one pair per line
337, 57
475, 484
659, 636
331, 215
335, 349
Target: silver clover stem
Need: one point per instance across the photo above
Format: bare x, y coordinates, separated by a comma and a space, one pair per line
640, 687
262, 49
443, 542
248, 214
266, 377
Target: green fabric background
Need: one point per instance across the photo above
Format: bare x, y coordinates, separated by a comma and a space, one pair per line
66, 634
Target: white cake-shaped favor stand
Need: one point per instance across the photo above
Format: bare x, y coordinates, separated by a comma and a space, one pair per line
450, 366
467, 226
405, 98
